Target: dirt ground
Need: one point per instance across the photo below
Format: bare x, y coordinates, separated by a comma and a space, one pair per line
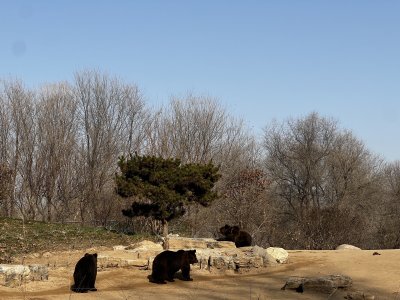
375, 274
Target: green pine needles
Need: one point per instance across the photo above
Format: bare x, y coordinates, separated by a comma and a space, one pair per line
164, 187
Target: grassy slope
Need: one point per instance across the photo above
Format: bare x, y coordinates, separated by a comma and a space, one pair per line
17, 237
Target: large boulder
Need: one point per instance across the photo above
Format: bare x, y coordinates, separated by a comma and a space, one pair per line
134, 255
279, 254
244, 258
347, 247
211, 254
15, 275
145, 246
358, 295
324, 284
268, 259
176, 243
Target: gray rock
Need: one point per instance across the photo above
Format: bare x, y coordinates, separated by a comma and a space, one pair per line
323, 284
347, 247
39, 272
176, 243
119, 247
280, 255
359, 296
15, 275
46, 255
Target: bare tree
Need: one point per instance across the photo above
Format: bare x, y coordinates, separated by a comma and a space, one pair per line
57, 129
198, 129
6, 154
388, 233
23, 142
6, 175
191, 129
109, 114
314, 167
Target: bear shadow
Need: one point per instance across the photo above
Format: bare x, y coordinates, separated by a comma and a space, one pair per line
178, 275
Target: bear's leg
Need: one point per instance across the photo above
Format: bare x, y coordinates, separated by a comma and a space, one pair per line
159, 280
85, 287
157, 277
81, 284
186, 273
170, 276
92, 282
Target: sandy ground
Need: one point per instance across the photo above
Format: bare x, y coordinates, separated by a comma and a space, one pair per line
375, 274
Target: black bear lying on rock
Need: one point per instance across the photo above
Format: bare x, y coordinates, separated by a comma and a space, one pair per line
85, 274
234, 234
167, 263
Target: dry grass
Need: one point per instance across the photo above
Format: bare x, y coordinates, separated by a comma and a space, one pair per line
19, 238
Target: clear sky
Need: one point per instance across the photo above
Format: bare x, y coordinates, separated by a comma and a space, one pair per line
263, 60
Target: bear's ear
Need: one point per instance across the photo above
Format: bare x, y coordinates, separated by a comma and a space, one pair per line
95, 255
225, 229
87, 254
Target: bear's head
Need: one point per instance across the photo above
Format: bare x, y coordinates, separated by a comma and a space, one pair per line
225, 230
191, 255
93, 257
235, 230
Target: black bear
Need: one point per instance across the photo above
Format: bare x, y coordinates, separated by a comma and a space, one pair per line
234, 234
85, 274
167, 263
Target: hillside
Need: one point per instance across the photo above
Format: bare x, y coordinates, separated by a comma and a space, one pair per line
18, 238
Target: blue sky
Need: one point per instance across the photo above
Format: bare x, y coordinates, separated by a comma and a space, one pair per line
263, 60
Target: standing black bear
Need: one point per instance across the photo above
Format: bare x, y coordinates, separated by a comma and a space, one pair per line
85, 274
167, 263
234, 234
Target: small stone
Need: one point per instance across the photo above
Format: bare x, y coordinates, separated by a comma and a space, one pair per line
46, 255
119, 247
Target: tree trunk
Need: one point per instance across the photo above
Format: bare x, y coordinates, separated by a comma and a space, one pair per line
164, 227
165, 234
49, 210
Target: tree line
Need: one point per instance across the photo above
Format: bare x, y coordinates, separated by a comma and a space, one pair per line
308, 183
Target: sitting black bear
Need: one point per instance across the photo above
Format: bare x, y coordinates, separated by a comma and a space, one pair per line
234, 234
167, 263
85, 274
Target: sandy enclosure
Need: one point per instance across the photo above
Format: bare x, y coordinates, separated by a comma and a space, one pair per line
375, 274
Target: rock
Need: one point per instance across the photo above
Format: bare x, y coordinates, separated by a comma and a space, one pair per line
248, 262
39, 272
279, 254
236, 258
15, 275
91, 250
211, 255
359, 296
145, 246
34, 255
324, 284
46, 255
268, 259
118, 247
347, 247
221, 262
175, 243
144, 250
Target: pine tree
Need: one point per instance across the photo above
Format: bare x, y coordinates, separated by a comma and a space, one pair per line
164, 187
